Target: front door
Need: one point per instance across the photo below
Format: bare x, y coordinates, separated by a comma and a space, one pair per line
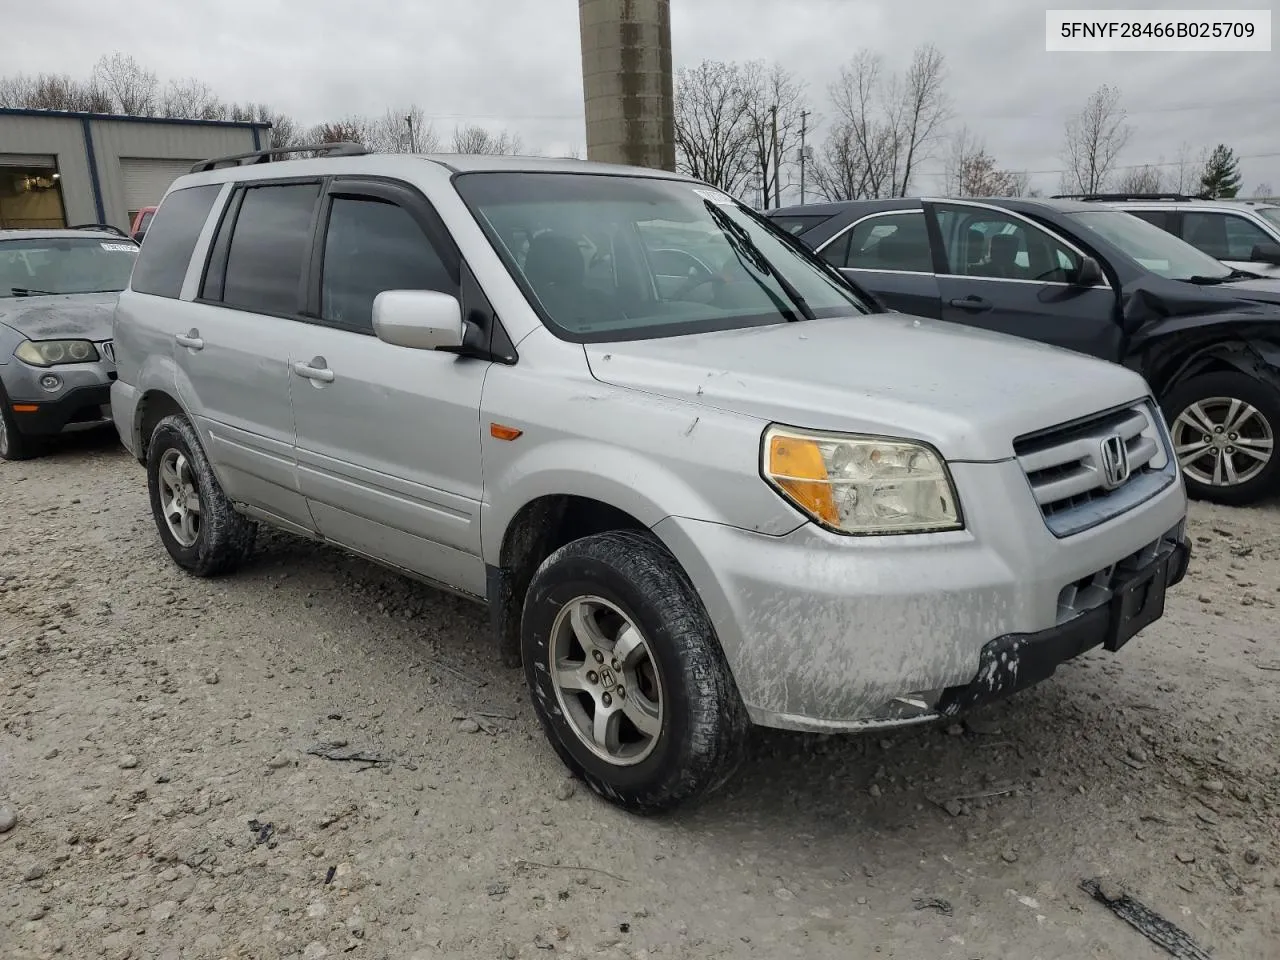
888, 253
1003, 272
1229, 237
388, 438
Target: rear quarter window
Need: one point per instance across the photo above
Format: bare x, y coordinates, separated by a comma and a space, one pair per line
171, 239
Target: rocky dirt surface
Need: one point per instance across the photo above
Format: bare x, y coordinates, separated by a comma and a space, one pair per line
315, 758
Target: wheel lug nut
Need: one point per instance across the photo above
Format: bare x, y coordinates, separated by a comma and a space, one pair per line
592, 678
1233, 436
1231, 449
615, 665
608, 700
621, 693
1217, 430
598, 655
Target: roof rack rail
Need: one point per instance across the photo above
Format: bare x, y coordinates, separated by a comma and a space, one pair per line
341, 148
101, 227
1177, 197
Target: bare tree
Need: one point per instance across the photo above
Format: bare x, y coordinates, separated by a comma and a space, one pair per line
348, 130
1262, 191
1094, 139
52, 91
773, 99
191, 99
473, 138
922, 109
133, 88
1148, 178
713, 129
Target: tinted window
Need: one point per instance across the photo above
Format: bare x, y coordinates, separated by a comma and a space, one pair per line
897, 241
999, 246
1222, 235
796, 224
268, 245
372, 246
1157, 218
171, 239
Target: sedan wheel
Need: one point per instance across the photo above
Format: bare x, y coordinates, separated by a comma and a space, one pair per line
1223, 427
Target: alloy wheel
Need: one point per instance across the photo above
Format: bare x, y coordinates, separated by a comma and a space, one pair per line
180, 497
1222, 441
606, 681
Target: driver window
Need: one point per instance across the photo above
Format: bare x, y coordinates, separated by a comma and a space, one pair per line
997, 246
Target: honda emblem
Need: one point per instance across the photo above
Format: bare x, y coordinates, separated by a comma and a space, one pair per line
1115, 462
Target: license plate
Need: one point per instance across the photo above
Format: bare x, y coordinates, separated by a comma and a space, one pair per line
1138, 604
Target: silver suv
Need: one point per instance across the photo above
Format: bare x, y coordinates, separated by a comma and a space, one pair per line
1244, 234
699, 479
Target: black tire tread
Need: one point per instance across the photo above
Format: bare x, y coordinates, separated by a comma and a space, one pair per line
21, 447
226, 537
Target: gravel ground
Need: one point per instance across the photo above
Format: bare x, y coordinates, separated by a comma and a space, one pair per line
163, 750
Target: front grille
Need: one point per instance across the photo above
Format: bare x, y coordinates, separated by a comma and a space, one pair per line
1067, 466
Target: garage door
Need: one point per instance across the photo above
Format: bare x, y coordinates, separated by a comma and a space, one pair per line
145, 181
32, 161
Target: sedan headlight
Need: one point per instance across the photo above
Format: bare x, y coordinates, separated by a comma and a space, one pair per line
46, 353
861, 485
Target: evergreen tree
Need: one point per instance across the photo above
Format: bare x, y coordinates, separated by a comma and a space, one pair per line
1221, 177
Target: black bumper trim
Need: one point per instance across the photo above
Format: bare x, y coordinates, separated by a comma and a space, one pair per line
1020, 660
53, 416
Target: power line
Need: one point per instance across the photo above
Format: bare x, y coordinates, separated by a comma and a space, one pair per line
1171, 108
1161, 163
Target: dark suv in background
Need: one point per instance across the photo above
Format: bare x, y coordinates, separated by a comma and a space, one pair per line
1091, 279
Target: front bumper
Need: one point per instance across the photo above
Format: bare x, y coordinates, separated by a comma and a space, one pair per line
827, 633
81, 401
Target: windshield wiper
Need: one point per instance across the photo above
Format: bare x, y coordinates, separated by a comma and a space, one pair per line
1207, 281
27, 292
746, 250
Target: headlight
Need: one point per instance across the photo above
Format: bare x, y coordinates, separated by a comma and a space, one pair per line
46, 353
861, 485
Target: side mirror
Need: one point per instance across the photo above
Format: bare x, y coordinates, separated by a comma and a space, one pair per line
1267, 253
1089, 274
418, 319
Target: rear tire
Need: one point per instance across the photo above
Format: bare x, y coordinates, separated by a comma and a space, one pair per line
197, 523
649, 653
13, 444
1226, 424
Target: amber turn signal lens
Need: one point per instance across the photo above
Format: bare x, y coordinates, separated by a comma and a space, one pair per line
502, 432
797, 467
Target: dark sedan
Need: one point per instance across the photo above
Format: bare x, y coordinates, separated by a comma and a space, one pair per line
1098, 281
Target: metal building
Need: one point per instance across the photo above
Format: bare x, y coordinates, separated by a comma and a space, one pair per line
59, 168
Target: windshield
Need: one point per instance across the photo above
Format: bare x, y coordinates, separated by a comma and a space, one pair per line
1270, 214
1160, 252
618, 258
56, 265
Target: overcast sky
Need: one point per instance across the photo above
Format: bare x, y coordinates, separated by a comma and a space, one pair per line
516, 64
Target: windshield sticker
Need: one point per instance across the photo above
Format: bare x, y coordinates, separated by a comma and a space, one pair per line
715, 196
118, 247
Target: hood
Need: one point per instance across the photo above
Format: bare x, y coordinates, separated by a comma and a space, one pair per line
81, 316
1260, 290
969, 392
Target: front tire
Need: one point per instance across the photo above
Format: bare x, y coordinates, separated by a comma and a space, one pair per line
627, 676
13, 444
1224, 428
197, 524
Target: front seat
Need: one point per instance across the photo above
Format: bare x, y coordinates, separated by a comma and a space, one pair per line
555, 269
1004, 256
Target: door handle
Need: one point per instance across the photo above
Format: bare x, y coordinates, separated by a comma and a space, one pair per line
317, 369
974, 304
191, 339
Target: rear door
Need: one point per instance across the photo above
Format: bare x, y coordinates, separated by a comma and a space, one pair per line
889, 254
1001, 271
388, 437
233, 351
1229, 237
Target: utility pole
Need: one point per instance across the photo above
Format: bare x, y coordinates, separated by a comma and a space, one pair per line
413, 143
777, 172
804, 120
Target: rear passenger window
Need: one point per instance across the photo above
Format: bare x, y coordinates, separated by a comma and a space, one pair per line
171, 239
1157, 218
269, 243
370, 246
896, 241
